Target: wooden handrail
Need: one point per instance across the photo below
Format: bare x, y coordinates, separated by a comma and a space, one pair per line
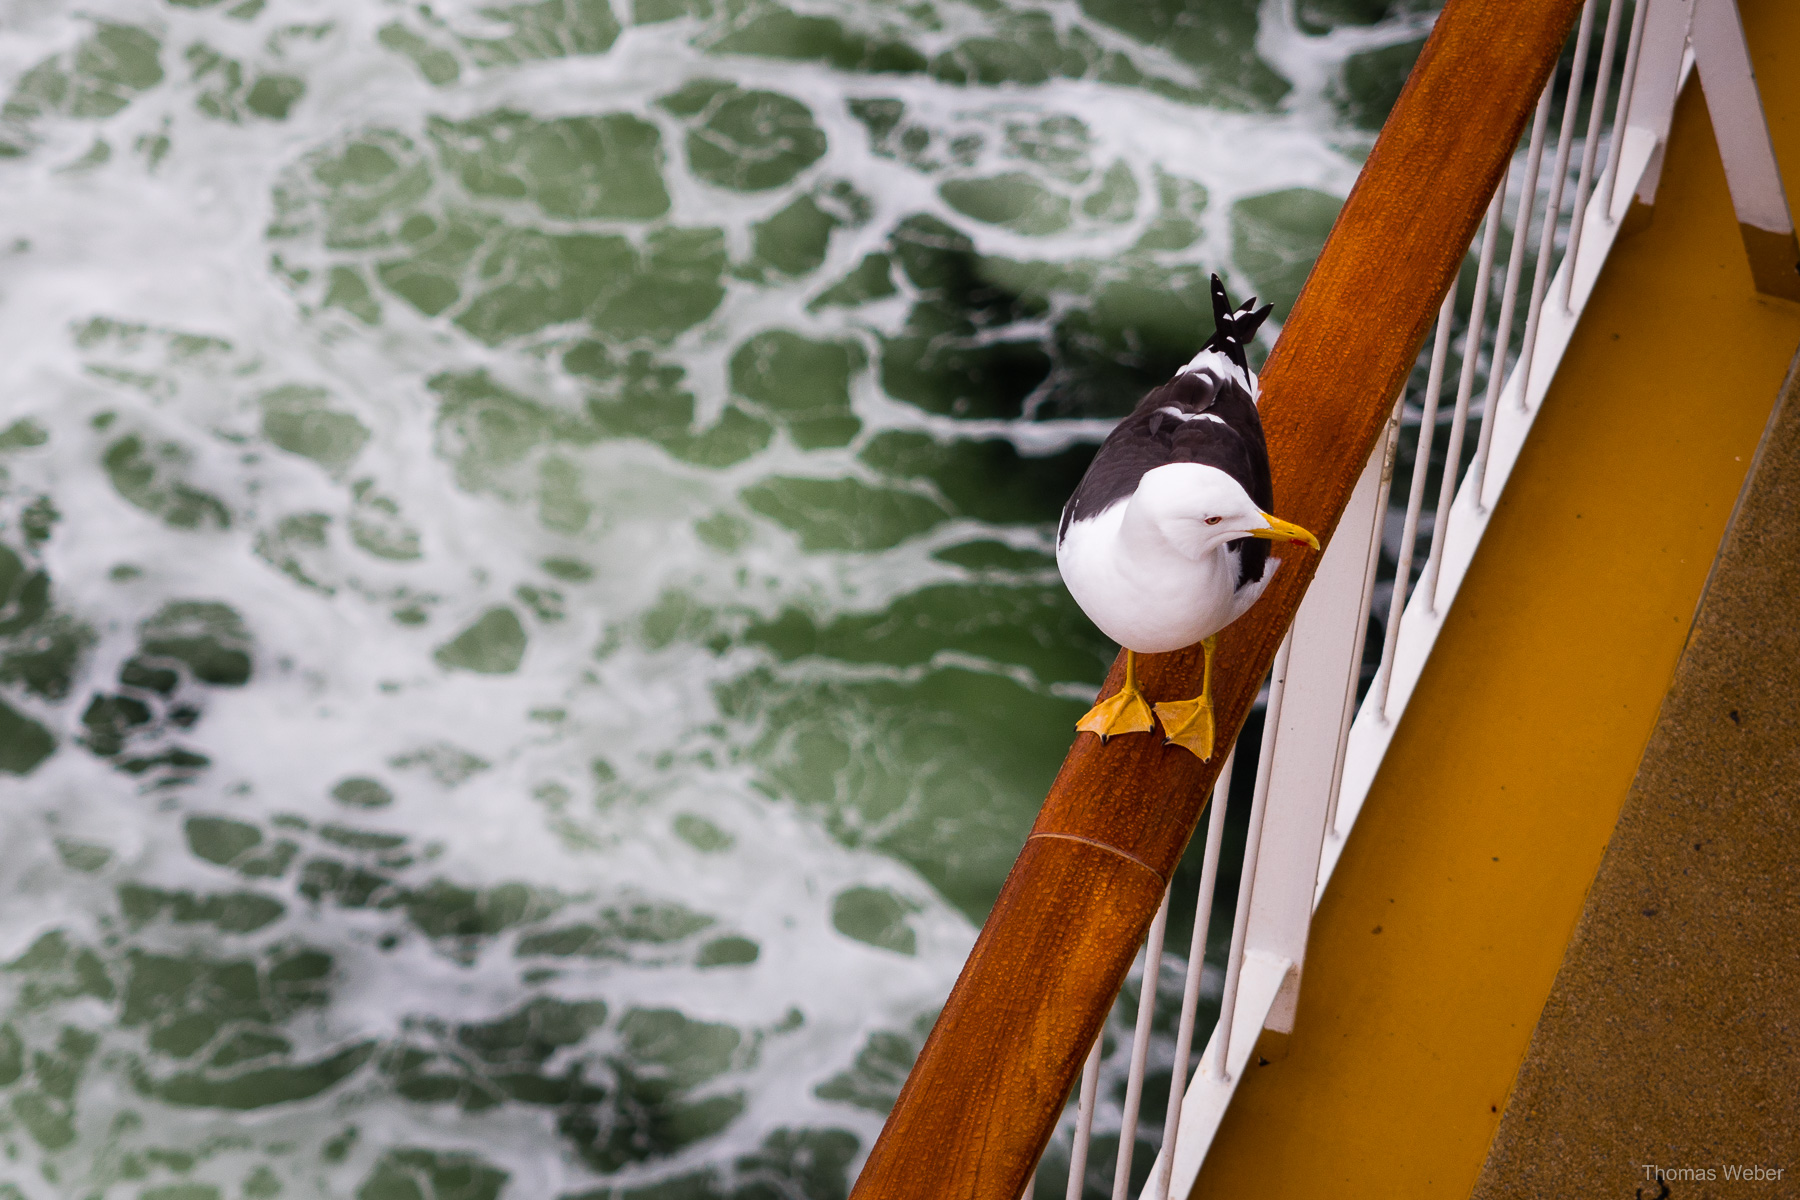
992, 1079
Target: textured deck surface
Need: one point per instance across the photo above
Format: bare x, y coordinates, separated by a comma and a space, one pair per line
1671, 1038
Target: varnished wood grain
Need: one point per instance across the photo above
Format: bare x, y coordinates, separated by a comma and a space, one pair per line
992, 1078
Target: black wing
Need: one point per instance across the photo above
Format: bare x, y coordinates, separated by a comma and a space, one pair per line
1156, 434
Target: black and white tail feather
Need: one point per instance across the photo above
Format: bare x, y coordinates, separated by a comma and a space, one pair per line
1233, 329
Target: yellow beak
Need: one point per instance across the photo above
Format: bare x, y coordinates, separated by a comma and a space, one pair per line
1284, 531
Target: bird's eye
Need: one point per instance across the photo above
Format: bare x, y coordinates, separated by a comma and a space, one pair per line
1214, 520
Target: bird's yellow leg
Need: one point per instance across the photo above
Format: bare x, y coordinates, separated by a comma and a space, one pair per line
1189, 723
1125, 711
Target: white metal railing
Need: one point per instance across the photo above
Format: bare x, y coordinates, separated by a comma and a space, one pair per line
1320, 747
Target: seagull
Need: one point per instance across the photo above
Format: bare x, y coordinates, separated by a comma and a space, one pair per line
1163, 543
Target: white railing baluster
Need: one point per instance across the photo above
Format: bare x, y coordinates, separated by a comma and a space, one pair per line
1490, 405
1415, 495
1371, 569
1473, 342
1219, 1063
1196, 969
1565, 142
1084, 1119
1140, 1050
1591, 148
1471, 355
1622, 114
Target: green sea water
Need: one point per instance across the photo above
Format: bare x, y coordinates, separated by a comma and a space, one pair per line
528, 634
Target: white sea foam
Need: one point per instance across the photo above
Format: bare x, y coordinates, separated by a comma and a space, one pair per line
179, 248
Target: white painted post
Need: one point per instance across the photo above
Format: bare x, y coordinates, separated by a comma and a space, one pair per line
1218, 1064
1742, 131
1322, 668
1658, 81
1381, 466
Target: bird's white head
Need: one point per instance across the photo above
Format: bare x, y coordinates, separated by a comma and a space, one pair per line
1197, 509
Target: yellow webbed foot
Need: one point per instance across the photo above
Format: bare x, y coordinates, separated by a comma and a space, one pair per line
1189, 724
1125, 711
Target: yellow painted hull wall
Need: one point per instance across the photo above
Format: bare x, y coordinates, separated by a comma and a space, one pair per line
1442, 930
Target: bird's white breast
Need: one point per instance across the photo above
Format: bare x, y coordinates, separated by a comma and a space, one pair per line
1151, 598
